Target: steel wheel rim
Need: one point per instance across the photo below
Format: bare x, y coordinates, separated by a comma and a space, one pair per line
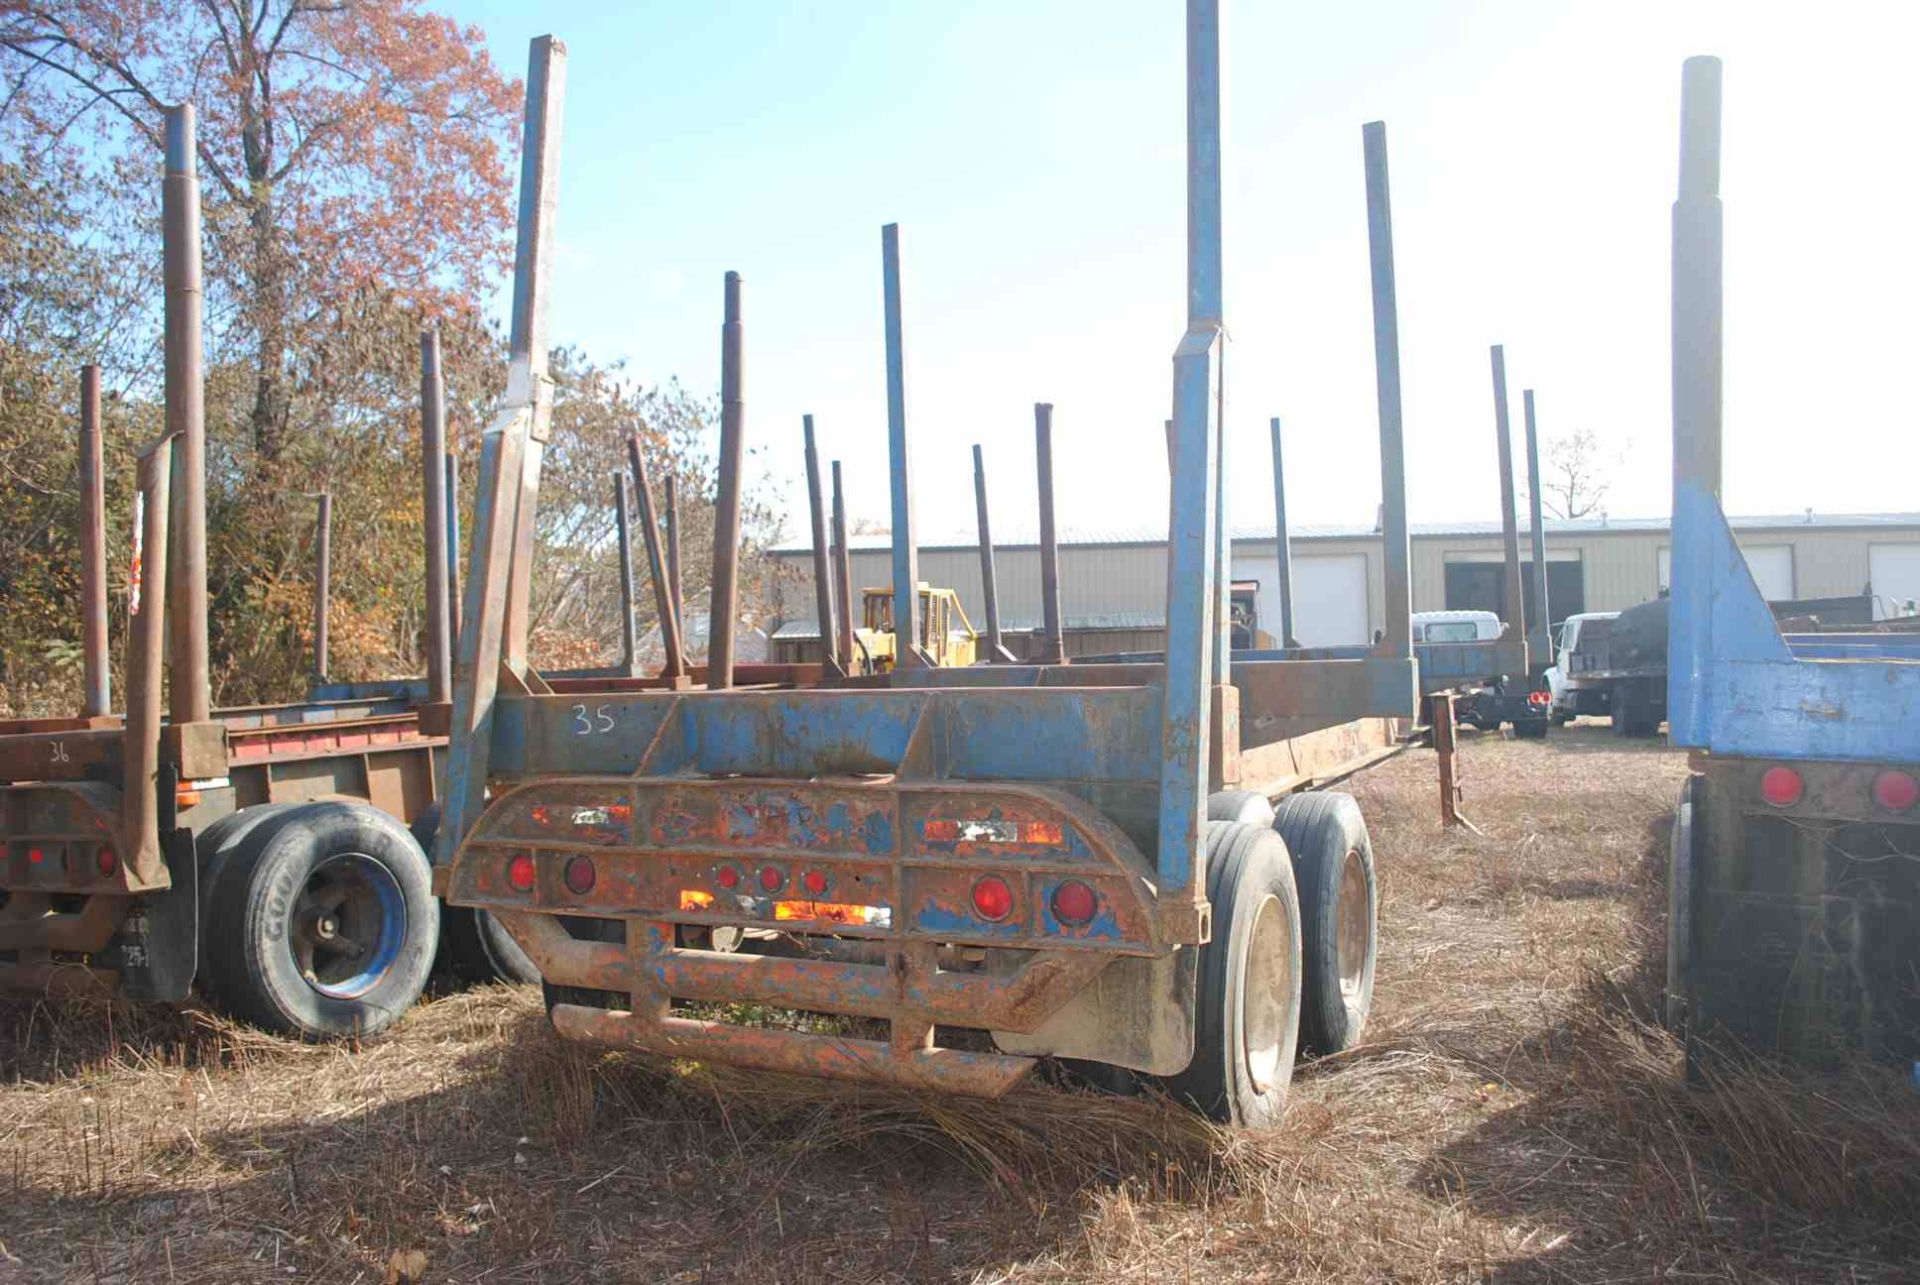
347, 925
1350, 927
1266, 993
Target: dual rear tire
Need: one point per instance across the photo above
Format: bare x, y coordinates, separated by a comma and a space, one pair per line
1291, 963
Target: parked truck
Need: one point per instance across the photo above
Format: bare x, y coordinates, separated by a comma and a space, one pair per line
973, 868
273, 856
1795, 878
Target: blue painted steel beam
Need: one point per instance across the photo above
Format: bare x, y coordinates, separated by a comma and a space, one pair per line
1513, 612
1540, 628
1395, 546
906, 557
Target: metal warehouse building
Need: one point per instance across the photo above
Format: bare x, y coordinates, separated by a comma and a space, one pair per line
1113, 589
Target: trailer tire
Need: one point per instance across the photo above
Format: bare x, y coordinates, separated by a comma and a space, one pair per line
1244, 806
474, 948
214, 848
1247, 1011
1339, 911
1684, 848
291, 891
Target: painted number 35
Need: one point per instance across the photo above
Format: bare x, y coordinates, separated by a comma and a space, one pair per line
599, 723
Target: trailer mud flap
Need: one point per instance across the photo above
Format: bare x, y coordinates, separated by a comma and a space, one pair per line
1137, 1013
157, 948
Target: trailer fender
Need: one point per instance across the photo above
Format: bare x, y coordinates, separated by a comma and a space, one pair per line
157, 949
1137, 1013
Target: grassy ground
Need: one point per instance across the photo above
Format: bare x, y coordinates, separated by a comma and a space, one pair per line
1513, 1115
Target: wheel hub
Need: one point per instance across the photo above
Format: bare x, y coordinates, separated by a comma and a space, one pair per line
1266, 999
1350, 926
348, 925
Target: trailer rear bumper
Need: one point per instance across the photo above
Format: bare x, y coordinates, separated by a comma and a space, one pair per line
873, 891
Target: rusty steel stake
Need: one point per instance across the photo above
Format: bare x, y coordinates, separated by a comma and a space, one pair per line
434, 499
1512, 613
322, 581
676, 590
1282, 543
1540, 627
996, 647
723, 601
629, 637
97, 698
672, 639
453, 543
823, 598
186, 573
1398, 639
1053, 646
842, 572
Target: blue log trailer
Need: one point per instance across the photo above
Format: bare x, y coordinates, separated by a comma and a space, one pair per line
1795, 879
968, 869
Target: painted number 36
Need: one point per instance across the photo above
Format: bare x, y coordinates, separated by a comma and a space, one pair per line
597, 724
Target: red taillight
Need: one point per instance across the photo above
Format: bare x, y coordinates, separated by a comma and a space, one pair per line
1896, 791
36, 856
772, 879
1781, 786
579, 874
992, 899
814, 881
1539, 698
520, 873
106, 861
1073, 902
727, 877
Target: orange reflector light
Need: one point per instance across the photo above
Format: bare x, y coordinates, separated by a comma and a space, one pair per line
992, 830
520, 872
186, 798
1781, 786
832, 912
695, 899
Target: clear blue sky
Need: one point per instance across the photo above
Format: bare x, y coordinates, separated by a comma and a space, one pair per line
1032, 155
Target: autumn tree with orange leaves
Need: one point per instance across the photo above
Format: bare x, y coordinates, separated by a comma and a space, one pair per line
346, 147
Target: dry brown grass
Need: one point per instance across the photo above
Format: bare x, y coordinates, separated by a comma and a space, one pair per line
1513, 1115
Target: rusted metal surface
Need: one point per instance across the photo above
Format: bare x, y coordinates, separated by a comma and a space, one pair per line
322, 582
665, 597
64, 838
1053, 642
843, 574
1445, 748
1512, 612
723, 601
453, 542
907, 650
486, 613
1282, 544
436, 494
1398, 638
623, 532
185, 573
96, 699
824, 599
987, 1075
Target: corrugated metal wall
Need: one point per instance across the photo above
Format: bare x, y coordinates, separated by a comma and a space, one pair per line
1619, 568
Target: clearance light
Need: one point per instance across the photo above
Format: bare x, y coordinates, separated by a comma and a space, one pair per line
992, 899
579, 875
1074, 902
106, 861
992, 830
695, 899
520, 873
833, 912
1781, 786
1896, 791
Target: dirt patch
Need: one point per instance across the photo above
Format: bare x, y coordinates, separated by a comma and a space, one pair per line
1514, 1114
